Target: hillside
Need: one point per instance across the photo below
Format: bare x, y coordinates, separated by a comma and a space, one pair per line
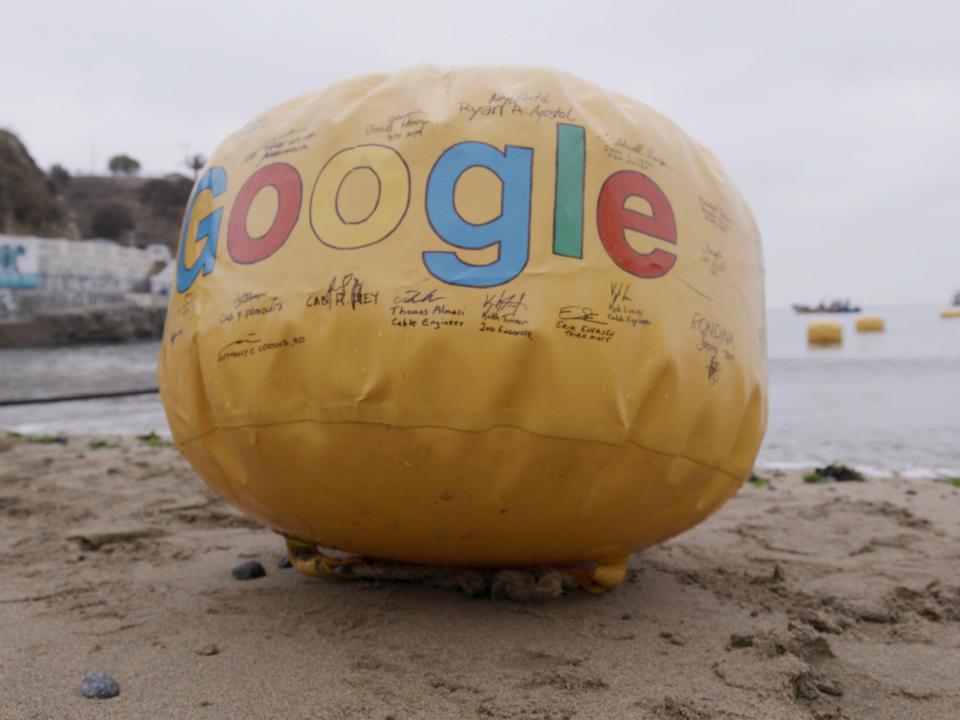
131, 210
28, 201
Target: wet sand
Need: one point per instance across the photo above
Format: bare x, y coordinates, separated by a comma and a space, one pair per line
803, 601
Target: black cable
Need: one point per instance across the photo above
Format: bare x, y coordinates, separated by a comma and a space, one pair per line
71, 398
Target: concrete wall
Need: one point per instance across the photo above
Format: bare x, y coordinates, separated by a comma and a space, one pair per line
40, 274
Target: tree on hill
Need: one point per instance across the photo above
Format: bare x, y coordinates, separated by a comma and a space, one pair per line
123, 165
59, 177
195, 163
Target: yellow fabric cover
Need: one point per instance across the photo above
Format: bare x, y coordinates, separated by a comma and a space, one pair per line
487, 316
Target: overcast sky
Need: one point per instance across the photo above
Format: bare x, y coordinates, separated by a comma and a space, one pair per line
839, 121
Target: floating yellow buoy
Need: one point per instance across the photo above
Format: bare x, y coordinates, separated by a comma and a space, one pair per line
950, 313
870, 323
825, 333
478, 317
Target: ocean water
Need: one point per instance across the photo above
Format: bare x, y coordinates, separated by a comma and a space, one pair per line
885, 402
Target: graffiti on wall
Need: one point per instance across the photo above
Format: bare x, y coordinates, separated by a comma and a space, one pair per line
18, 265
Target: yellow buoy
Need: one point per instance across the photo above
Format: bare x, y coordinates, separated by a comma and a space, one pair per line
489, 317
825, 333
870, 323
950, 313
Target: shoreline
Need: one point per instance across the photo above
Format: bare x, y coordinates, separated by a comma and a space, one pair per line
796, 601
870, 471
110, 324
48, 421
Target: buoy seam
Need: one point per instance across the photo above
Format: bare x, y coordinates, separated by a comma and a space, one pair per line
628, 441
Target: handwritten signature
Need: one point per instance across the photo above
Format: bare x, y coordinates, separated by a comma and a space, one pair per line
246, 297
414, 297
578, 312
504, 306
713, 365
348, 291
713, 370
251, 339
714, 258
407, 120
186, 303
619, 292
709, 328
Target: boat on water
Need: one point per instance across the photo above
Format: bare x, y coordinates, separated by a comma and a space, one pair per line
837, 306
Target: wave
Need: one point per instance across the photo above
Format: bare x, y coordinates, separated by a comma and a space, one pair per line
903, 472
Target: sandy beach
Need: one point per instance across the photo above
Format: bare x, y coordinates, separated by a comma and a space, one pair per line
827, 601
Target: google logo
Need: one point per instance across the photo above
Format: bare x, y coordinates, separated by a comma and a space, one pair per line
509, 232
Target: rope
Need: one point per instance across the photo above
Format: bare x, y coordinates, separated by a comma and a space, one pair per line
86, 396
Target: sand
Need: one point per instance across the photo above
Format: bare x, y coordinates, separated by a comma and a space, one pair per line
801, 601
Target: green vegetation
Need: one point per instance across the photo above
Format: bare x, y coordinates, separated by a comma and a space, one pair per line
140, 211
101, 444
154, 440
195, 163
154, 205
45, 439
955, 481
123, 165
814, 479
112, 220
161, 193
28, 206
59, 177
840, 473
758, 482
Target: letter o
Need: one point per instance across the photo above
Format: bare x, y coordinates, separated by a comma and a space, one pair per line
285, 180
392, 203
